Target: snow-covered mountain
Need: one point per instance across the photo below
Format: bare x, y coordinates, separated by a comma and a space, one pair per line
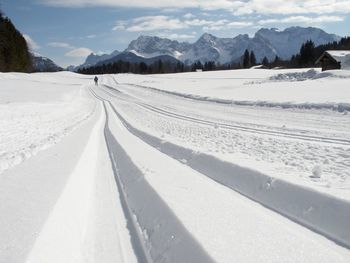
266, 42
93, 59
287, 42
44, 64
211, 48
148, 46
133, 58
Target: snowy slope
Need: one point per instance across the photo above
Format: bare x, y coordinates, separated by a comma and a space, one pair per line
173, 168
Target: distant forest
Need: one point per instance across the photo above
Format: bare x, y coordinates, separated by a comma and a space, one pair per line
306, 57
14, 53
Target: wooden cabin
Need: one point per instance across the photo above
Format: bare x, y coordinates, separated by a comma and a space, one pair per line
334, 59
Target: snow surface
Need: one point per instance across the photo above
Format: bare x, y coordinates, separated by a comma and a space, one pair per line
36, 111
236, 86
193, 167
242, 134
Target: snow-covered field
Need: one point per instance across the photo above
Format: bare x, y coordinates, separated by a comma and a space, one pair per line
231, 166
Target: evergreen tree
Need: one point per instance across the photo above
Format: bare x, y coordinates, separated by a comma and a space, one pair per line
160, 66
307, 54
143, 68
197, 65
265, 62
252, 59
246, 59
14, 53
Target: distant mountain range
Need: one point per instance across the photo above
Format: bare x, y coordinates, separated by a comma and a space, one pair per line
266, 42
44, 64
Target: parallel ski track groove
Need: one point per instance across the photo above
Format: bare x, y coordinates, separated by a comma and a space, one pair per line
151, 108
292, 217
137, 243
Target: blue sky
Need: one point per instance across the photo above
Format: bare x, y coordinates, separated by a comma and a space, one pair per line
68, 30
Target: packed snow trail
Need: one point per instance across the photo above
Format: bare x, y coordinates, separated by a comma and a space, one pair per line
59, 201
87, 223
322, 213
174, 115
292, 145
139, 175
237, 225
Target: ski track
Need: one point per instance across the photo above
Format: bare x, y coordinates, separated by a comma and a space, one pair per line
187, 219
247, 182
292, 156
161, 176
235, 127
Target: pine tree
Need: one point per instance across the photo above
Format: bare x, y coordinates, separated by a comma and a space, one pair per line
252, 59
307, 54
160, 66
246, 59
265, 62
143, 68
14, 53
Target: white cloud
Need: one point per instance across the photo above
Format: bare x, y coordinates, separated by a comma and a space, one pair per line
199, 22
294, 7
216, 25
31, 43
79, 52
157, 23
178, 36
163, 4
120, 25
239, 7
91, 36
60, 45
240, 24
150, 23
302, 20
189, 16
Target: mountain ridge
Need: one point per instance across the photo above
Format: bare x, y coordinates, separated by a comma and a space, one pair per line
43, 64
265, 43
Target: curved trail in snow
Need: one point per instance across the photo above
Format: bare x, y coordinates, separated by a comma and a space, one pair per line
169, 240
205, 165
166, 113
270, 192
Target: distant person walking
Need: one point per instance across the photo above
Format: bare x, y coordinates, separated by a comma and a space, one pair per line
96, 80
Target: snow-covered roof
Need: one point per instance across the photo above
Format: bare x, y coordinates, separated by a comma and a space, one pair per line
342, 56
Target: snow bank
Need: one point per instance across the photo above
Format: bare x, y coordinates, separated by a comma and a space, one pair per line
320, 212
294, 76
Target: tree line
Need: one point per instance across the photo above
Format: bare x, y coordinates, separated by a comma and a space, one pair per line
14, 52
308, 54
159, 66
